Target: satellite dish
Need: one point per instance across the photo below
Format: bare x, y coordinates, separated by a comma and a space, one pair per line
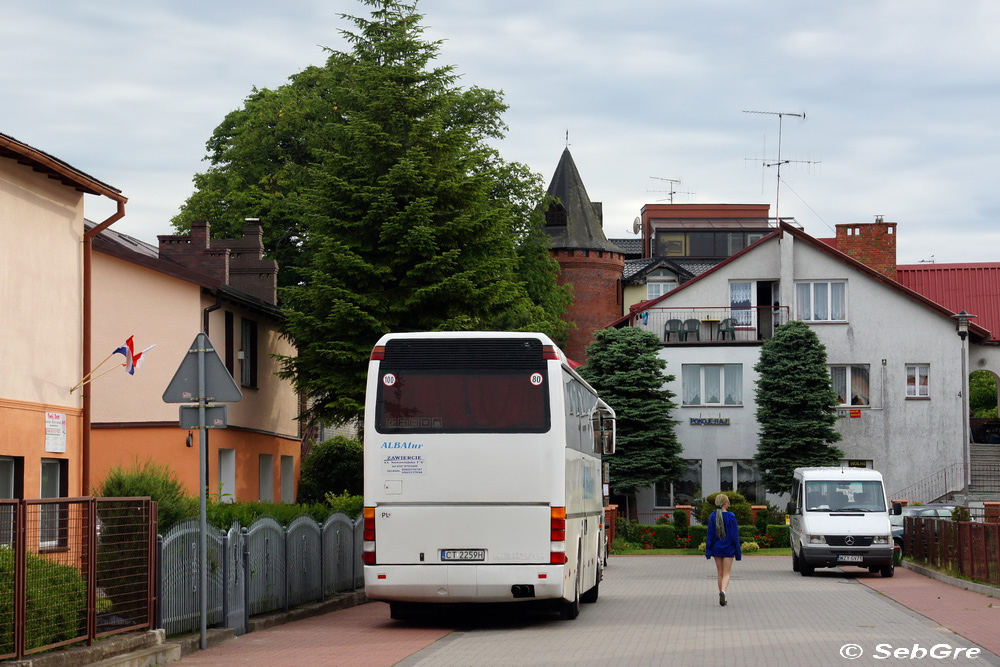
636, 225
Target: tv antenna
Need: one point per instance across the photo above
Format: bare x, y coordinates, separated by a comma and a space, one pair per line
670, 188
778, 162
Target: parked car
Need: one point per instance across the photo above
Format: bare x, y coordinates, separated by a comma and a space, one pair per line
937, 511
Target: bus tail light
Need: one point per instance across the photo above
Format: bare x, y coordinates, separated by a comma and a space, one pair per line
378, 353
549, 352
368, 549
557, 535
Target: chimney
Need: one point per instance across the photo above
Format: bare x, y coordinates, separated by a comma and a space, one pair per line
872, 244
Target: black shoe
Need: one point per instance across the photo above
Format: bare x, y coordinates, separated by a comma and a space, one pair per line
722, 598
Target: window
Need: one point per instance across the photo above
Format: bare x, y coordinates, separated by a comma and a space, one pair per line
712, 384
746, 477
821, 301
658, 288
851, 384
11, 481
227, 475
740, 302
682, 491
287, 479
266, 486
248, 348
917, 381
53, 518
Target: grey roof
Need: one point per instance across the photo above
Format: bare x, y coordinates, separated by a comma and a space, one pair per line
635, 266
696, 266
632, 246
576, 217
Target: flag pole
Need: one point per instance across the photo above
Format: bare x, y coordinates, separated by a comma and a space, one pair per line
84, 380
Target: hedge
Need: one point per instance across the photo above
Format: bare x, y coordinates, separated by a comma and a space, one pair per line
56, 601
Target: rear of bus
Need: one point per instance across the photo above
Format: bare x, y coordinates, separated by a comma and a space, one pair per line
464, 469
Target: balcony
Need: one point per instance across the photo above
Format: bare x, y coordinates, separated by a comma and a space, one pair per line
711, 325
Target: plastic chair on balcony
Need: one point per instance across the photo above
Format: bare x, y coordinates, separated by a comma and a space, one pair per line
673, 327
727, 326
692, 326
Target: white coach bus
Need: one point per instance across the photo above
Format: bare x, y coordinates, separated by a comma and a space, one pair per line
483, 474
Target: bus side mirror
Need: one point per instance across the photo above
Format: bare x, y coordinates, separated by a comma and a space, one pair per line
897, 508
609, 428
791, 509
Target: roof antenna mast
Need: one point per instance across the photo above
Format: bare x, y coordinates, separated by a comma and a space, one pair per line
777, 163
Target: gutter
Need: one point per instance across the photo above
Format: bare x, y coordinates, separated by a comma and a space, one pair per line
88, 249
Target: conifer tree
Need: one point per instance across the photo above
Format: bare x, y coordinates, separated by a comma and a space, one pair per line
413, 221
624, 367
796, 406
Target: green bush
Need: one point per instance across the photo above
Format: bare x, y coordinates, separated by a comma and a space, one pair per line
333, 466
738, 505
627, 530
661, 536
56, 601
155, 480
748, 533
346, 503
780, 536
222, 515
749, 547
697, 534
680, 523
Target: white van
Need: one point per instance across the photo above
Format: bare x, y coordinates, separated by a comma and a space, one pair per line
839, 516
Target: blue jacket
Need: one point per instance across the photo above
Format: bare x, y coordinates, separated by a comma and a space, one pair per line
723, 547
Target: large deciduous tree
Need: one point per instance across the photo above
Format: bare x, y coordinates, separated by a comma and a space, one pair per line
624, 367
796, 406
378, 187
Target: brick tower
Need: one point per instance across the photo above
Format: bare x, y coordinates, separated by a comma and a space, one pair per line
590, 263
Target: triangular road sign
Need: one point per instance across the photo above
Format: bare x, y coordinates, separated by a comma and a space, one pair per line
219, 384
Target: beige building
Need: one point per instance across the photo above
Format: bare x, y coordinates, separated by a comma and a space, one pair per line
45, 288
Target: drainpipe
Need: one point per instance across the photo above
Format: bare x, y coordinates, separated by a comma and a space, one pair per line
88, 248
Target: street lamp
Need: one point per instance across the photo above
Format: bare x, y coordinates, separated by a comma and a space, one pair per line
963, 332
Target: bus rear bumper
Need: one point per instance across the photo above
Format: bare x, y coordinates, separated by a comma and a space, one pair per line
463, 583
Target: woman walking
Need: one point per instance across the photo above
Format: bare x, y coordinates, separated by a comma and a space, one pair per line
723, 542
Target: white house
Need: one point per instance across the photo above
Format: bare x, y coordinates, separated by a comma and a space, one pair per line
894, 356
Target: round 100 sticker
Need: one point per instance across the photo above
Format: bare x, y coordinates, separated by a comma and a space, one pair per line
388, 379
537, 379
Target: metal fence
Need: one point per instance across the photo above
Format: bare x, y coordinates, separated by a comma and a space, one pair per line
73, 570
265, 568
969, 548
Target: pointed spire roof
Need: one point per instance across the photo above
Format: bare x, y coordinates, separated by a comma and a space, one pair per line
574, 221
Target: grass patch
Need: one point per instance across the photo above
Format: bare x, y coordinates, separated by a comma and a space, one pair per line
694, 552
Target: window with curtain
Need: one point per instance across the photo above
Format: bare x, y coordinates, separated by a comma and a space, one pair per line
740, 302
851, 382
655, 288
712, 384
917, 381
821, 301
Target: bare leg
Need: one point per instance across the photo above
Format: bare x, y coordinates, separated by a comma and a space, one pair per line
725, 569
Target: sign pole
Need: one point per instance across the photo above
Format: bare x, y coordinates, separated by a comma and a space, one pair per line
201, 378
203, 500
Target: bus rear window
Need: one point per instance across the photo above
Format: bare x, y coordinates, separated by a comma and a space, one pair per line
508, 400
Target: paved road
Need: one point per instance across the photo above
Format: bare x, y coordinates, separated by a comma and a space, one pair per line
660, 610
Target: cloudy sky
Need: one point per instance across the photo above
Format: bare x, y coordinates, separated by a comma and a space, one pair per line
902, 99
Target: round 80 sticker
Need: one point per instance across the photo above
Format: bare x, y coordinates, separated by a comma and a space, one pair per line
536, 379
388, 379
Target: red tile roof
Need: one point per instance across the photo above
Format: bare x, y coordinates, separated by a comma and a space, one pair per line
974, 288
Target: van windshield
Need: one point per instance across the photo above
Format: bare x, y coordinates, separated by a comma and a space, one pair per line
844, 496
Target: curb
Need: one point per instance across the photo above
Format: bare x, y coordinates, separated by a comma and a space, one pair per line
982, 589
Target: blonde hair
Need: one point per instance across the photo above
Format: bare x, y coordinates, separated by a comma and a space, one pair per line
721, 500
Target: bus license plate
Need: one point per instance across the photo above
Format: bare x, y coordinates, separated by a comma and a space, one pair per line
463, 554
850, 559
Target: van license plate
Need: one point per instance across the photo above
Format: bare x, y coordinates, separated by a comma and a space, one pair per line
850, 559
463, 554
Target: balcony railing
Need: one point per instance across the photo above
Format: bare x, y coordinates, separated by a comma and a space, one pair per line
712, 325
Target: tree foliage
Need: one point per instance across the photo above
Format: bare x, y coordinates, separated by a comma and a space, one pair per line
334, 466
796, 406
624, 367
983, 394
378, 188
